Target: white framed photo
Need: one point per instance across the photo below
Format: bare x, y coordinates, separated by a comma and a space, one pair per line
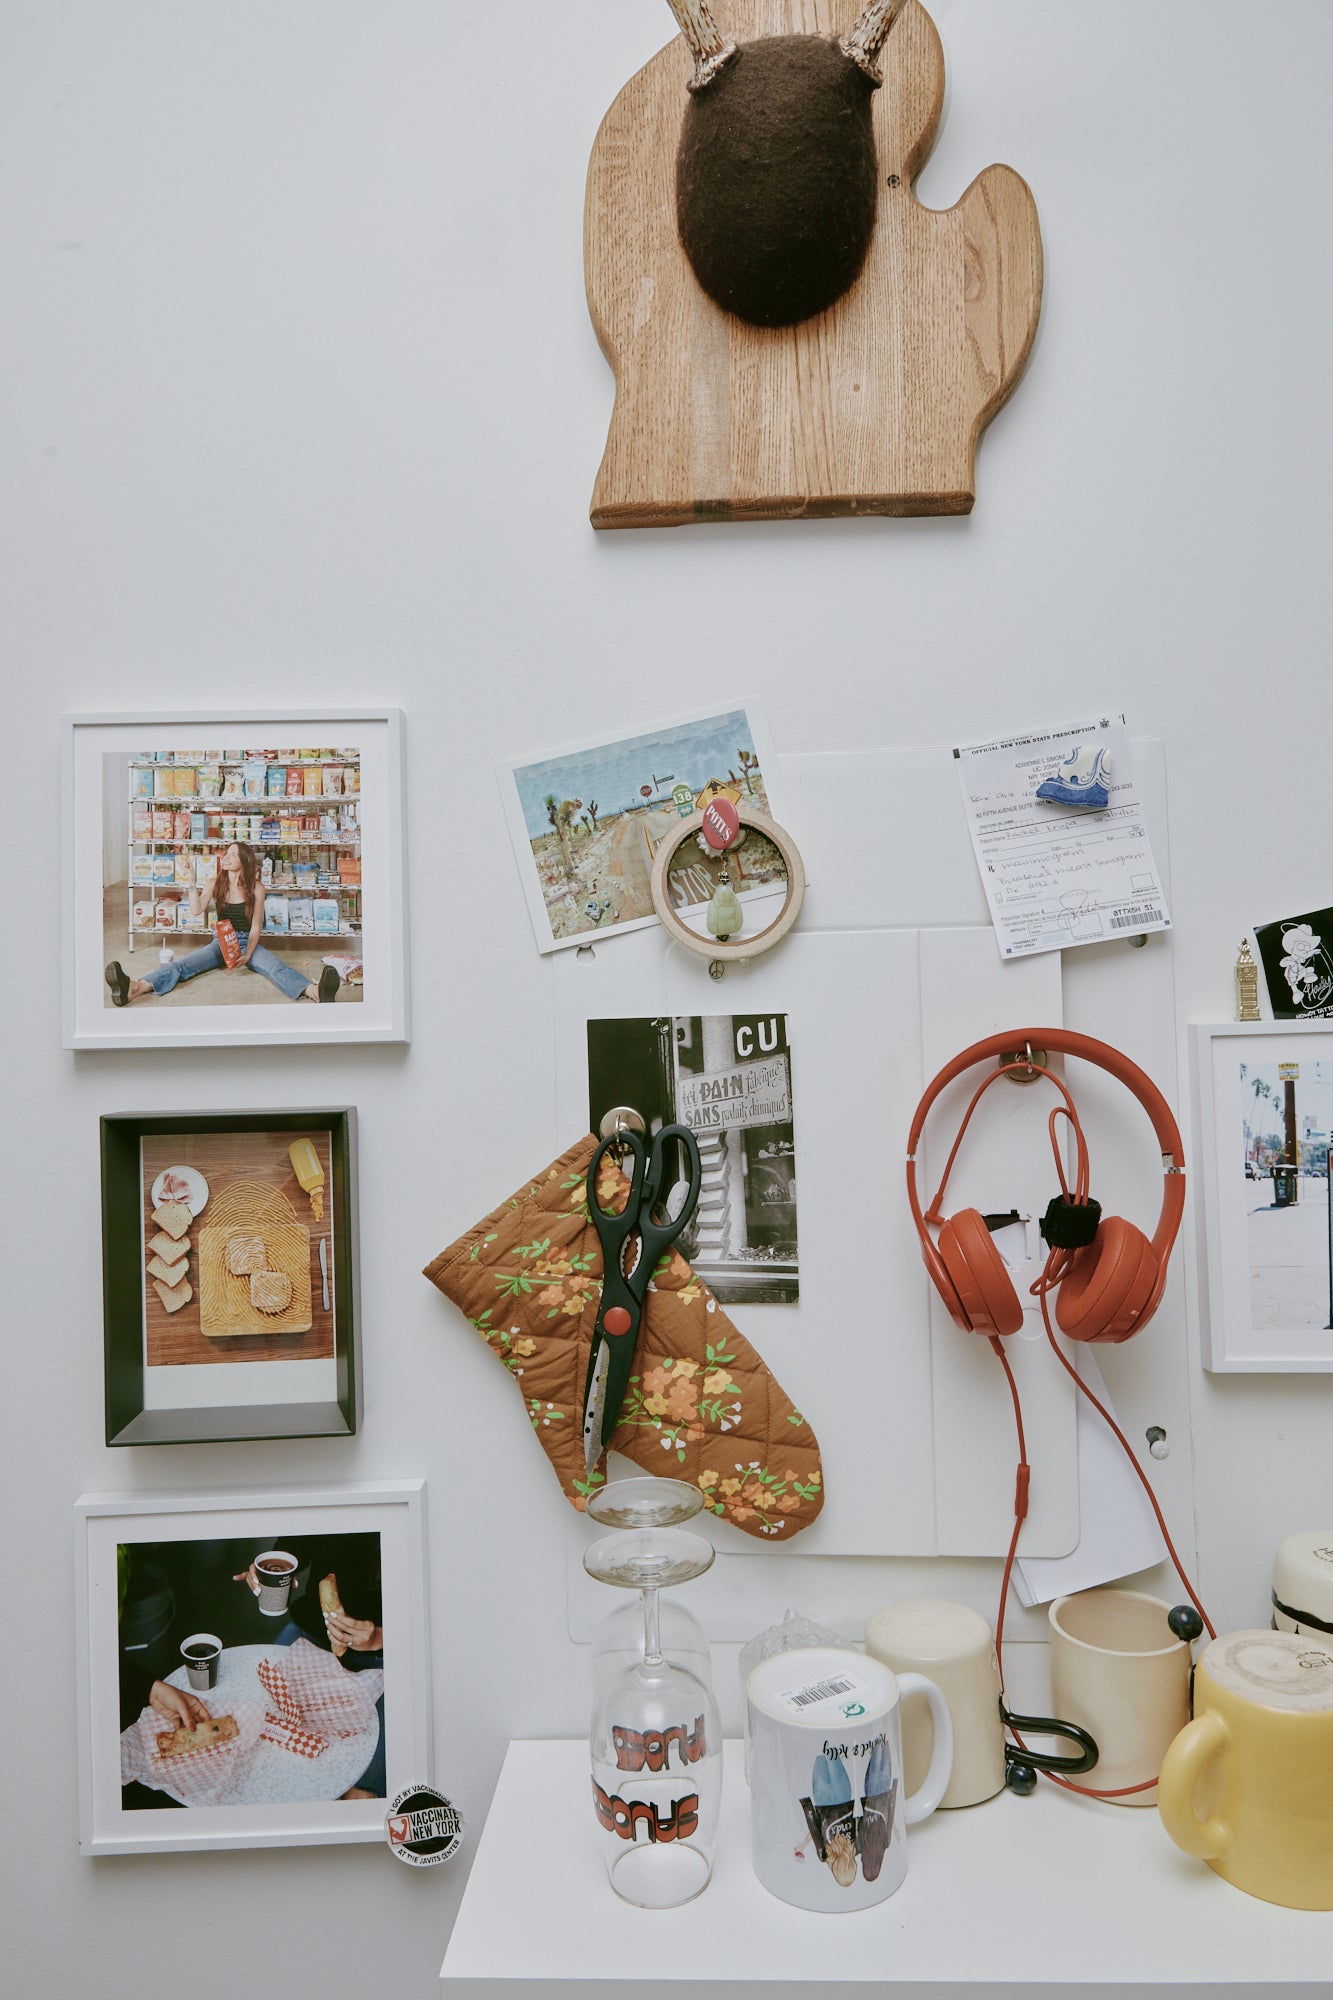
234, 879
1265, 1096
253, 1666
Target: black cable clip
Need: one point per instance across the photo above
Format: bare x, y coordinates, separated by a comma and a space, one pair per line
1021, 1766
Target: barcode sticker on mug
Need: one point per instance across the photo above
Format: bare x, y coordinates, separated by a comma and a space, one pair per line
844, 1691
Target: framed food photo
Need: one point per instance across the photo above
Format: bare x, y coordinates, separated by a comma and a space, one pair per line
253, 1667
1265, 1096
234, 879
229, 1276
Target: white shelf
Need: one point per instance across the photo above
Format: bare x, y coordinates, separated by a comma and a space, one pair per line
322, 840
164, 801
1051, 1894
238, 763
265, 937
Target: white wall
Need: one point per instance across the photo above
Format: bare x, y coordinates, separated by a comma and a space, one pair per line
302, 406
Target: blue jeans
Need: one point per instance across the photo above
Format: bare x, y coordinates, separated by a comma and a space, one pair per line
209, 958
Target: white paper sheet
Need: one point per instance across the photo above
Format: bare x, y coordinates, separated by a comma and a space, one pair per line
1058, 875
1118, 1534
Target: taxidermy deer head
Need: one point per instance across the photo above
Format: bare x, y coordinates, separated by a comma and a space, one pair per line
776, 180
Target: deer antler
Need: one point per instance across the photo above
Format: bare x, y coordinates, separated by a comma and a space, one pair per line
868, 37
709, 47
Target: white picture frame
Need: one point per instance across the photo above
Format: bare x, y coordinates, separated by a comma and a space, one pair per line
393, 1511
1266, 1262
370, 913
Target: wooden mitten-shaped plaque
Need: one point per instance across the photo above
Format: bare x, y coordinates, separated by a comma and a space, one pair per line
729, 406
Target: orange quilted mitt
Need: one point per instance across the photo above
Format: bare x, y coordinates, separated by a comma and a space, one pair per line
701, 1404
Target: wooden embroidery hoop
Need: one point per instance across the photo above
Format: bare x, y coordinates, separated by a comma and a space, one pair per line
734, 950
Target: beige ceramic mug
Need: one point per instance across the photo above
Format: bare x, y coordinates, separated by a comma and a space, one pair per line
953, 1646
1119, 1672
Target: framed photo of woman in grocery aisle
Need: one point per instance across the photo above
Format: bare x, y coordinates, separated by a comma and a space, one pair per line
234, 879
229, 1262
1265, 1096
253, 1666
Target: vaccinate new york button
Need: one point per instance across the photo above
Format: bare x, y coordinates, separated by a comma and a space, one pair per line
423, 1828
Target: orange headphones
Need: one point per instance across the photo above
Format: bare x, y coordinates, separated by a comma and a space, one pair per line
1108, 1276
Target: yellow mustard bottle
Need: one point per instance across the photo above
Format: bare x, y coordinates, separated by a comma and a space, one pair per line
308, 1171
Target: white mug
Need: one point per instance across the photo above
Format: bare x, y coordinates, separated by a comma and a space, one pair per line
954, 1647
828, 1805
1119, 1671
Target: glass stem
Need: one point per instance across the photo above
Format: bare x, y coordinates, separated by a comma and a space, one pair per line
652, 1628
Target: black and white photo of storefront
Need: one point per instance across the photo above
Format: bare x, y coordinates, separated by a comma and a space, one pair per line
728, 1078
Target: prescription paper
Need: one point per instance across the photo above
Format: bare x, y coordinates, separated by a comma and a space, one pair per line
1057, 875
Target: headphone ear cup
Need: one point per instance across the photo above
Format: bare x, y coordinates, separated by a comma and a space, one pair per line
1109, 1286
979, 1274
944, 1284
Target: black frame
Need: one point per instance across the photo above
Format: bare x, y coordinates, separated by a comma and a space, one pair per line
127, 1421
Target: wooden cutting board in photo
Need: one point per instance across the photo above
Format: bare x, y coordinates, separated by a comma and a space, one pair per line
254, 1265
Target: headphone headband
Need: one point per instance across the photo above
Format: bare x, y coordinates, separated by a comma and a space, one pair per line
1065, 1042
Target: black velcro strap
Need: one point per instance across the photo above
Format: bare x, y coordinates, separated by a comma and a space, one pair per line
1070, 1225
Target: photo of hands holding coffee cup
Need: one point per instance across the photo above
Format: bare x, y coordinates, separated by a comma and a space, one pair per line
251, 1672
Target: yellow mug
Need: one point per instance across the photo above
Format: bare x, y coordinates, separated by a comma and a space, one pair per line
1247, 1786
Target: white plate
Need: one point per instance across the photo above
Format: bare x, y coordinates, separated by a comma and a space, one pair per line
198, 1194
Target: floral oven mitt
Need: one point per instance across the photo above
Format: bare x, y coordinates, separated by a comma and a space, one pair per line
701, 1404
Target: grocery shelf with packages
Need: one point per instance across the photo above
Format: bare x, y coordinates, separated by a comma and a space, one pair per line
300, 813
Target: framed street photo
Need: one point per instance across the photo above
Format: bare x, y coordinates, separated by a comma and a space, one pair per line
253, 1667
229, 1274
1265, 1096
234, 879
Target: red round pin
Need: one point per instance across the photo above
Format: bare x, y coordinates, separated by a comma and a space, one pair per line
722, 823
617, 1321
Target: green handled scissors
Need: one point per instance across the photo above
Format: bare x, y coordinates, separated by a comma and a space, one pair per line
632, 1243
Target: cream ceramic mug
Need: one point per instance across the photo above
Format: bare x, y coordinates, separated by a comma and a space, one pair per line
1248, 1785
1119, 1672
954, 1647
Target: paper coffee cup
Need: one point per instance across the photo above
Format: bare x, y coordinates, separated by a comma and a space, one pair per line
275, 1573
200, 1652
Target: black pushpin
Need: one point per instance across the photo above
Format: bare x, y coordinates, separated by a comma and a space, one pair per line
1021, 1779
1185, 1622
777, 181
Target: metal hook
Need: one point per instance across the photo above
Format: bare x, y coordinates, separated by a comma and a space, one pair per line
621, 1118
1030, 1063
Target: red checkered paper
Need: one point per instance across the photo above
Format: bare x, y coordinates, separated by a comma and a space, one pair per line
314, 1694
284, 1728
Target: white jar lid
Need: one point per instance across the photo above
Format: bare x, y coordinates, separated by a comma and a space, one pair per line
1303, 1577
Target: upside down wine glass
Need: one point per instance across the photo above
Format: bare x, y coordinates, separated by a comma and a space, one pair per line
648, 1502
656, 1738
